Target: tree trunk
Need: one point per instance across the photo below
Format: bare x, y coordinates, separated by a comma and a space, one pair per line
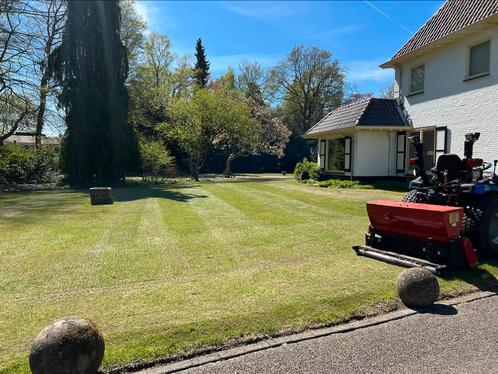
40, 116
228, 166
193, 165
14, 127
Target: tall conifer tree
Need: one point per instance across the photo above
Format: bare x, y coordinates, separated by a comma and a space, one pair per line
201, 69
92, 65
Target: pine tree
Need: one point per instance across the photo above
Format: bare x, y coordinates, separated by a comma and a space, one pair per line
201, 69
92, 66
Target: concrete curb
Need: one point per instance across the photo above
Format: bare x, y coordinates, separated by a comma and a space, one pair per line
174, 367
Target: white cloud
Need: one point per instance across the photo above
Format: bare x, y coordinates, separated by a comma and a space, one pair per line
368, 70
142, 10
265, 11
152, 14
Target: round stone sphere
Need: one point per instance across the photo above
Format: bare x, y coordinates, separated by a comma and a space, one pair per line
71, 345
417, 288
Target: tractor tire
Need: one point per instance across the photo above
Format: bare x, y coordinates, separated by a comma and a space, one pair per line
415, 196
487, 229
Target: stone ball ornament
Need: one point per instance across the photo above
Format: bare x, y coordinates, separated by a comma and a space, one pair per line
417, 288
71, 345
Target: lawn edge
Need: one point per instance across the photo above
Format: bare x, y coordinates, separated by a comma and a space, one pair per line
381, 313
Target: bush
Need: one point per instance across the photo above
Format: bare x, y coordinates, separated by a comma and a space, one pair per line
307, 170
391, 186
19, 165
338, 183
156, 160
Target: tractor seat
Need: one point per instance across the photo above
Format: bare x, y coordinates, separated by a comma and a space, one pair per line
451, 163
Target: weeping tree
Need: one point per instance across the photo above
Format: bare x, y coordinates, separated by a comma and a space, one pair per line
92, 66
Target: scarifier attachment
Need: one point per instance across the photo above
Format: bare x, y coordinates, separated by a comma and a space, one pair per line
398, 259
417, 235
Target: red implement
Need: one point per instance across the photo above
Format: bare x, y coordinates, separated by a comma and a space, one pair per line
418, 221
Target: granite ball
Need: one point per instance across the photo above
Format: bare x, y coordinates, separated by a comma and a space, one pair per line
417, 288
71, 345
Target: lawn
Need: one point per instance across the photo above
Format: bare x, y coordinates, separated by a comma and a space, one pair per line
170, 269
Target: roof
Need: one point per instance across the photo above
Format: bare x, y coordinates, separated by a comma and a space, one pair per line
453, 16
370, 112
29, 139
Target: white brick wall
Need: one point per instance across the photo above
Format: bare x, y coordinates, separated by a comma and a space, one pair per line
449, 100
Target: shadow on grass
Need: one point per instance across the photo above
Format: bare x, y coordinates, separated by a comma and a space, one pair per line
133, 193
480, 278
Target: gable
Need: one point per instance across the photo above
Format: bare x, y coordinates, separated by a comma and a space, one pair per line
452, 17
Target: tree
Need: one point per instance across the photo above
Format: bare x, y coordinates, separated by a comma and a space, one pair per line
180, 82
358, 97
16, 89
388, 92
210, 118
91, 64
201, 68
157, 58
310, 83
51, 16
267, 134
253, 80
132, 31
155, 158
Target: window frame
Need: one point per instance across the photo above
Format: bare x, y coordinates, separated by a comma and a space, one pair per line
322, 153
328, 154
440, 131
410, 92
403, 152
348, 153
468, 76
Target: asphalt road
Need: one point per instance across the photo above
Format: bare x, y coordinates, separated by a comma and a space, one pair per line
453, 339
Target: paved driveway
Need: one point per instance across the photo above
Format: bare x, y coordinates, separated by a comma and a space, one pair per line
453, 339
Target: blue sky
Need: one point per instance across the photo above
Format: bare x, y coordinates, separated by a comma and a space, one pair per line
361, 34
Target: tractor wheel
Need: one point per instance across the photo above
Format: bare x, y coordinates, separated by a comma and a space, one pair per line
487, 229
415, 196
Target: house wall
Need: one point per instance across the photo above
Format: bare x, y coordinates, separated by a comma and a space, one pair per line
372, 158
374, 153
450, 100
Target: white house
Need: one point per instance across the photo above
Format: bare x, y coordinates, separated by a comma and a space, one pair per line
446, 85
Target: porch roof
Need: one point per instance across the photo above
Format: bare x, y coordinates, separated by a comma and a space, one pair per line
371, 112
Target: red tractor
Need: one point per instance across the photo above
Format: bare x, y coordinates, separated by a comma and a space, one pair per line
449, 218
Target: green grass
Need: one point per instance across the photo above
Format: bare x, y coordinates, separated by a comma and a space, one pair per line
166, 270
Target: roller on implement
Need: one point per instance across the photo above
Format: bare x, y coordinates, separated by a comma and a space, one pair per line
448, 220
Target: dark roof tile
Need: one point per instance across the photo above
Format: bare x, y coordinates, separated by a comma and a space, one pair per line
452, 16
370, 112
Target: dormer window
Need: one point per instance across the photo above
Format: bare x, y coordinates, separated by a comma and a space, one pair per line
417, 80
479, 60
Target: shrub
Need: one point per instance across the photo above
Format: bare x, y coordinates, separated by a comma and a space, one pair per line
19, 165
307, 170
156, 160
339, 183
391, 186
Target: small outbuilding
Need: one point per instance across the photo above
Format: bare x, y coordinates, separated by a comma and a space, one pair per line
363, 139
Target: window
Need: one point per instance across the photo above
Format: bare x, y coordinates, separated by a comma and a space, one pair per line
321, 154
441, 134
337, 159
417, 79
401, 152
479, 59
347, 153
